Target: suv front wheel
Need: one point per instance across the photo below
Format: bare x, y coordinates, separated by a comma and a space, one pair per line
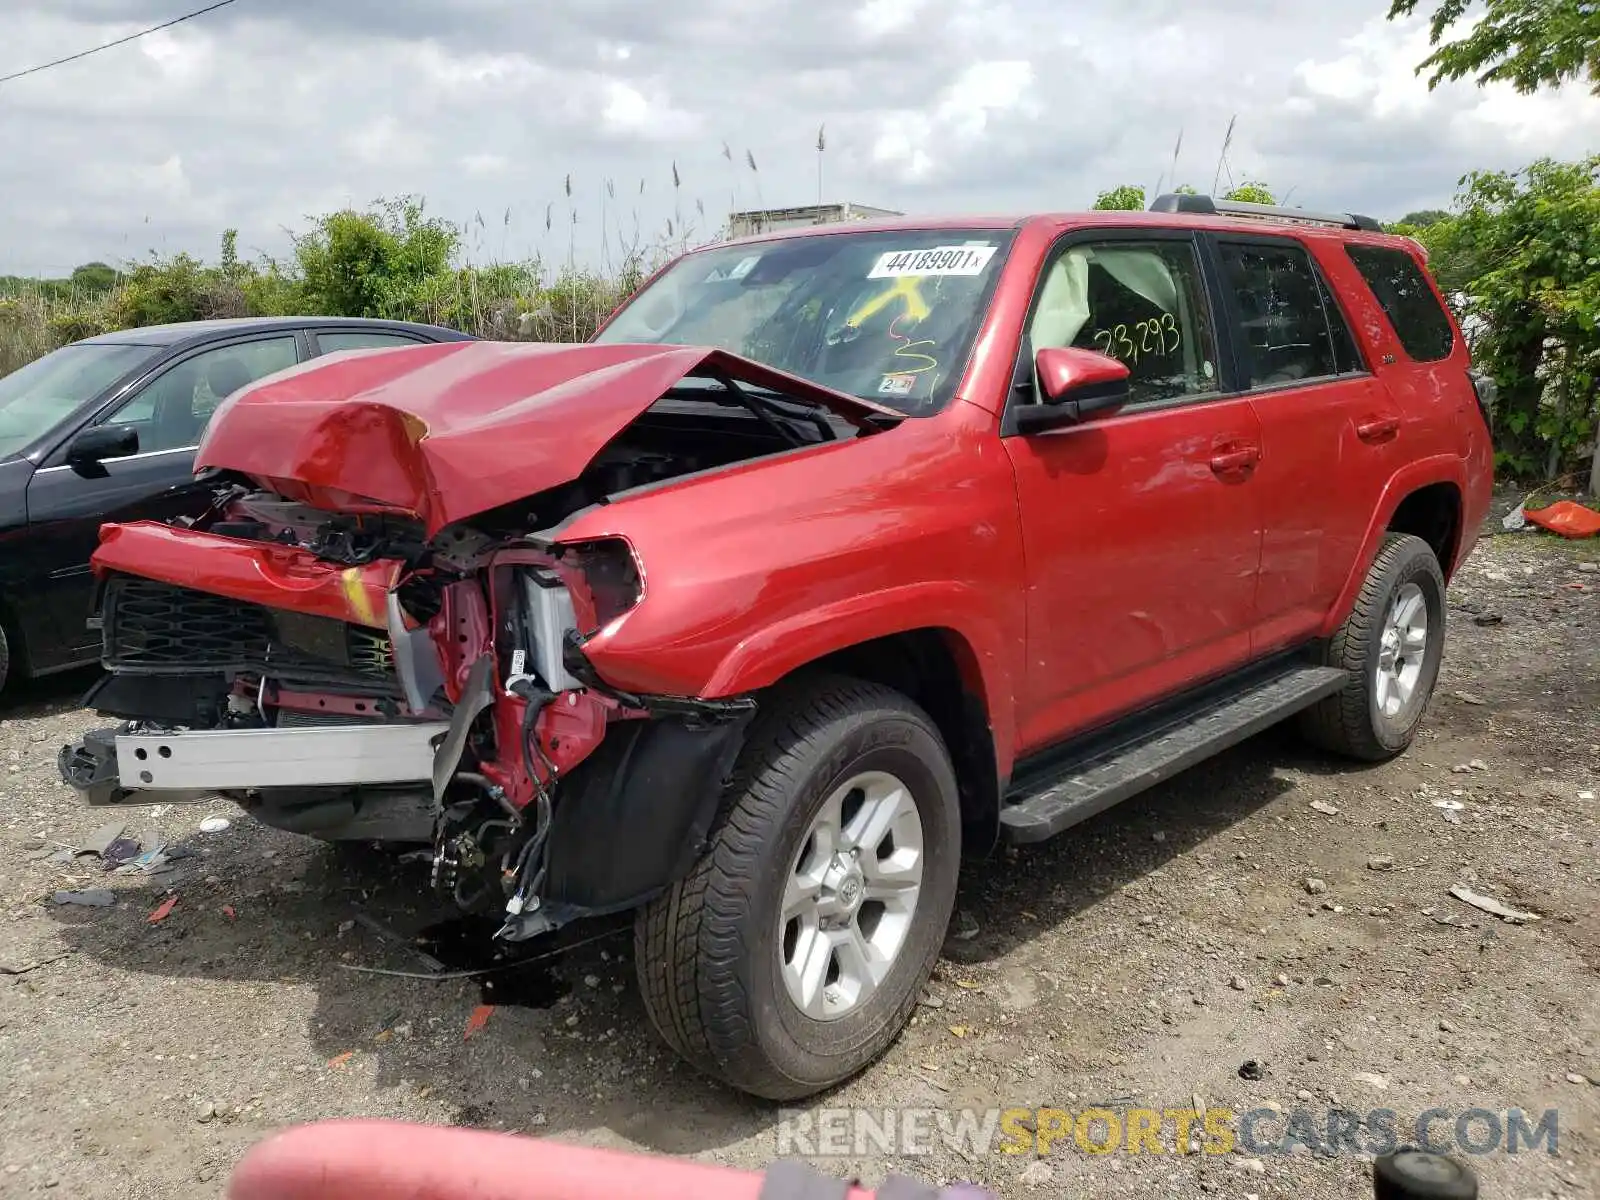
1391, 643
794, 952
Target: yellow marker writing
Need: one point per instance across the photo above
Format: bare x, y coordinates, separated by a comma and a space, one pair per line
907, 286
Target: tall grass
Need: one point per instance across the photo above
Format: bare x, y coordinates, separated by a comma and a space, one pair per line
390, 260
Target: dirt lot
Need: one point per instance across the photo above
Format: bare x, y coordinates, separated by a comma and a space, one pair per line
1140, 960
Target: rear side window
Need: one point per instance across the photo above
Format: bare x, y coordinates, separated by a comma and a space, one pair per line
1288, 327
1410, 304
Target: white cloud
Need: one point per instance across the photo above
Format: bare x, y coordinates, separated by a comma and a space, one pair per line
259, 115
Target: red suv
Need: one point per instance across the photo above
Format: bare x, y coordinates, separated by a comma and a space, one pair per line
838, 556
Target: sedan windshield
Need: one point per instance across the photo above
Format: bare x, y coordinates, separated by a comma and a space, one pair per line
887, 316
36, 398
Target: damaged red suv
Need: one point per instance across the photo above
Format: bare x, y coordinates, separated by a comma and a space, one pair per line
838, 556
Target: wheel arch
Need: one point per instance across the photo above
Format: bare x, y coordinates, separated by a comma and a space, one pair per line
1425, 499
937, 669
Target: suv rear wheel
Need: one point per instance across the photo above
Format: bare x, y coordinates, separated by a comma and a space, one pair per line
794, 952
1391, 644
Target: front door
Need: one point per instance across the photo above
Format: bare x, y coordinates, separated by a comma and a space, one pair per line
67, 506
1142, 530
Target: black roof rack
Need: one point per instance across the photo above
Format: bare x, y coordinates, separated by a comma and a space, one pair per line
1183, 202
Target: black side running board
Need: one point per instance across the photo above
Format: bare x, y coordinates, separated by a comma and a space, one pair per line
1092, 775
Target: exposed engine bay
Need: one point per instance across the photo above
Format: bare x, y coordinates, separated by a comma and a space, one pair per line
427, 690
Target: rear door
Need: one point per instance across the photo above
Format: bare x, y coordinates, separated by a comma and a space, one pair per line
1330, 430
67, 505
1142, 530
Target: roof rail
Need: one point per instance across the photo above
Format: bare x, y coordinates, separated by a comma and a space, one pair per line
1183, 202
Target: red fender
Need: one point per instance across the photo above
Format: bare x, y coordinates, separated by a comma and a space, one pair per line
981, 651
1442, 468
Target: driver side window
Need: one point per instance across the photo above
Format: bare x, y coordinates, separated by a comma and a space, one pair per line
172, 411
1139, 302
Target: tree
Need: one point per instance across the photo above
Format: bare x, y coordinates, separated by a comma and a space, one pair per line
1423, 218
1251, 192
94, 277
1528, 43
385, 262
1522, 258
1127, 198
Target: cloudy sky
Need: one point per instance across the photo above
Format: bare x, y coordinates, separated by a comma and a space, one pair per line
269, 110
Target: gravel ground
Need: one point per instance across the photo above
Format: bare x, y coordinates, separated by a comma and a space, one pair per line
1141, 959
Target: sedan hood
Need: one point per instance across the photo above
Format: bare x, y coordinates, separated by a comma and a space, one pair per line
452, 430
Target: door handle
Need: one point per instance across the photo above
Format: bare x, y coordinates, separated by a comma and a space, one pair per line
1240, 458
1378, 429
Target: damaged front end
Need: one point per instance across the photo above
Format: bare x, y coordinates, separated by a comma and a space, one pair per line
343, 677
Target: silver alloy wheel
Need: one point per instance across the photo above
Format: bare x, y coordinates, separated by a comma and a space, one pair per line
1401, 649
850, 896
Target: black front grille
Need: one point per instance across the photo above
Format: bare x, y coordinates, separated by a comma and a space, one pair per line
157, 628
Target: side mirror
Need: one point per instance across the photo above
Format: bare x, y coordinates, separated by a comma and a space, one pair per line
89, 448
1077, 385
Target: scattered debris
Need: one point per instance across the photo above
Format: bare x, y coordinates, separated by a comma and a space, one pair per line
214, 824
1585, 795
1253, 1166
1574, 1077
164, 910
1491, 906
339, 1060
1238, 983
98, 842
479, 1018
1322, 806
1158, 837
389, 935
1282, 980
120, 851
92, 898
1380, 862
206, 1112
959, 1031
1488, 618
8, 969
1469, 698
1316, 886
1449, 805
929, 1000
963, 927
227, 911
1371, 1079
1036, 1174
1251, 1069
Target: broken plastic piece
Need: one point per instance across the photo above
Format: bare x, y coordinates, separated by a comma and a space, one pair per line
93, 898
1491, 906
164, 910
1567, 518
479, 1018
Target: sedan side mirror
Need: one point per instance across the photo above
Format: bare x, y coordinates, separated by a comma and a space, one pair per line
1077, 385
93, 445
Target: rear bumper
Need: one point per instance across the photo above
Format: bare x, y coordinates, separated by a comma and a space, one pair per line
108, 767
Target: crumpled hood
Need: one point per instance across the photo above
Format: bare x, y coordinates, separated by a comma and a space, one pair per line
452, 430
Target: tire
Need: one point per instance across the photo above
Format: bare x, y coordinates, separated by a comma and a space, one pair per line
709, 953
1361, 721
5, 657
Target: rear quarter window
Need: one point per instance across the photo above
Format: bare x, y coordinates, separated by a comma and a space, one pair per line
1401, 288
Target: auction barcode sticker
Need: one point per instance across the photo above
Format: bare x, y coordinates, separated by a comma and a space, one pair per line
940, 260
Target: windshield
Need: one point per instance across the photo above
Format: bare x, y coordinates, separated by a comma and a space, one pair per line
889, 317
36, 398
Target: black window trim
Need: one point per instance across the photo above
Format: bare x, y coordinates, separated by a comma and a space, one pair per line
57, 455
1235, 320
1210, 295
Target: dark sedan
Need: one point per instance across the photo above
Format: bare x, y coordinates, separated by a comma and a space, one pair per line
105, 430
